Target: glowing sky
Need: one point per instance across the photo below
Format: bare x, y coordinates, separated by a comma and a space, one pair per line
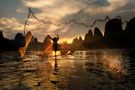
14, 12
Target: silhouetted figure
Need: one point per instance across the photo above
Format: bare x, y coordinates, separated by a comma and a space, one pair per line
55, 43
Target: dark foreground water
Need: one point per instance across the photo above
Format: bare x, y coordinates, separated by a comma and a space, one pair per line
84, 70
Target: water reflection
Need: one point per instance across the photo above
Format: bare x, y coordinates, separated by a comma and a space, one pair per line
95, 69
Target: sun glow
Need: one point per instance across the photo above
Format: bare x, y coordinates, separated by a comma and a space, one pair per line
66, 40
57, 53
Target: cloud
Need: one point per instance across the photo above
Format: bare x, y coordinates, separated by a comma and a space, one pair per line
13, 24
106, 7
39, 3
10, 23
38, 29
100, 3
128, 7
21, 10
10, 26
56, 9
115, 4
62, 11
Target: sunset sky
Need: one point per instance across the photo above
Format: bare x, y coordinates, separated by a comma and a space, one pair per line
13, 14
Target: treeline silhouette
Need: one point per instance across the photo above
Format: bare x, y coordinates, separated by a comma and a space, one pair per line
114, 36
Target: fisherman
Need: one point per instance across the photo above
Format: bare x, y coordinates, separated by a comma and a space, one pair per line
55, 43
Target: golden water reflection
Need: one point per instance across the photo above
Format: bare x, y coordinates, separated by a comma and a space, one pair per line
114, 61
82, 70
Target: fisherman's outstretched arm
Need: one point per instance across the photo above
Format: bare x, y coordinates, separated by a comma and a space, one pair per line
50, 37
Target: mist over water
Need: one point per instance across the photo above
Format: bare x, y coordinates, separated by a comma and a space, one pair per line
109, 69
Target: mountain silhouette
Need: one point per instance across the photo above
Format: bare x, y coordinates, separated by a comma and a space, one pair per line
88, 39
11, 45
130, 33
114, 36
113, 29
98, 39
97, 34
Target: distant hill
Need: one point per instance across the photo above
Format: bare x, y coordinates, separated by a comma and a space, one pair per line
11, 45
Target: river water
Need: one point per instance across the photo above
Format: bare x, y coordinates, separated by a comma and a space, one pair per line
84, 70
